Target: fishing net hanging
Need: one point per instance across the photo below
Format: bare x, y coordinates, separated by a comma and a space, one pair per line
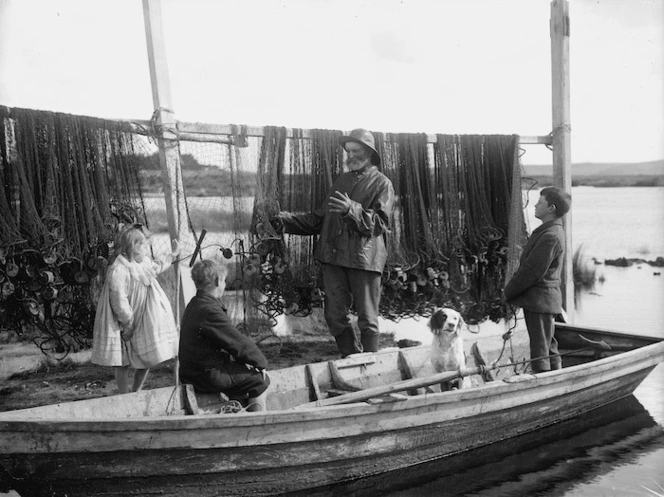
68, 182
9, 229
457, 201
265, 269
293, 174
477, 177
398, 256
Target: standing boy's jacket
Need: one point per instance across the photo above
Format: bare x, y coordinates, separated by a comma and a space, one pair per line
357, 239
536, 284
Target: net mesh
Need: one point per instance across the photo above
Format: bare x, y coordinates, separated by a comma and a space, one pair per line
69, 182
450, 245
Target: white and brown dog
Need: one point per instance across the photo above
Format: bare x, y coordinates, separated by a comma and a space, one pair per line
447, 351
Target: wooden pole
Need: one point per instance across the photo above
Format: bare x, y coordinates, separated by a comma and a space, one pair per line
210, 132
562, 162
163, 121
163, 118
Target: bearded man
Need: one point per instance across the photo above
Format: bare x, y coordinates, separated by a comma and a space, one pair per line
353, 224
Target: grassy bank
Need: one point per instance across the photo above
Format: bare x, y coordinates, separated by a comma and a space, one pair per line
638, 180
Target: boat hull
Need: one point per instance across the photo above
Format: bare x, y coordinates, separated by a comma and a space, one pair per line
299, 451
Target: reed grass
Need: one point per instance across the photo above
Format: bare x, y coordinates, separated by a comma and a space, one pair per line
211, 219
49, 364
584, 271
659, 493
643, 250
215, 214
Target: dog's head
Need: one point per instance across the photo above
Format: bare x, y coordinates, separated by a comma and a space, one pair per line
445, 320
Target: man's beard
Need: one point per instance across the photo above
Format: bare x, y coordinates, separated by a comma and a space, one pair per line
356, 165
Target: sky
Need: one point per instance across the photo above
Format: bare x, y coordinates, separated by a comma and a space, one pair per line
434, 66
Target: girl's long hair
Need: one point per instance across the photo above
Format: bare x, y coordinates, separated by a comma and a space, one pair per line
125, 241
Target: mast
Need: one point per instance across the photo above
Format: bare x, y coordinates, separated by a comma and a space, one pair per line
163, 121
562, 162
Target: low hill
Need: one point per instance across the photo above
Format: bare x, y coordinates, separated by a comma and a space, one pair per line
605, 174
652, 168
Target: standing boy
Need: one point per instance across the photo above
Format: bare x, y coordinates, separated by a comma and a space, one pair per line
536, 284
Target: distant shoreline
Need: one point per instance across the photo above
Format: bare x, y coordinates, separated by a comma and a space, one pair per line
603, 174
640, 180
627, 262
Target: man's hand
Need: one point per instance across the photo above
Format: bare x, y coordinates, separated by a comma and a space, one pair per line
262, 372
277, 224
340, 203
175, 249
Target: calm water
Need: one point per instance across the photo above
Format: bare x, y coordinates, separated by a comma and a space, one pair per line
617, 451
618, 222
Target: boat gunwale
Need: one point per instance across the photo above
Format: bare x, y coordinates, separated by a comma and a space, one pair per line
642, 356
567, 327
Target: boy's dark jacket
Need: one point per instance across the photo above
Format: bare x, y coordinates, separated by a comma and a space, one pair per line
208, 337
536, 284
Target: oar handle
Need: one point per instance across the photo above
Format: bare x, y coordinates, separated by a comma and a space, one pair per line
399, 386
194, 254
596, 344
198, 247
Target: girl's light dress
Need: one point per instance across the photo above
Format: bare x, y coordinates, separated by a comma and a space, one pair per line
131, 291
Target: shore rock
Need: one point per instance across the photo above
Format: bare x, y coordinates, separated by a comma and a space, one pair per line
624, 262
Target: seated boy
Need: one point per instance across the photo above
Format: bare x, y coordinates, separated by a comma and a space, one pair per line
214, 355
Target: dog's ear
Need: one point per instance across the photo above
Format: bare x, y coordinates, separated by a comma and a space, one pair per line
437, 320
462, 323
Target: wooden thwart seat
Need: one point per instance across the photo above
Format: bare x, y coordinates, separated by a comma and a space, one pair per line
342, 387
198, 403
409, 373
399, 386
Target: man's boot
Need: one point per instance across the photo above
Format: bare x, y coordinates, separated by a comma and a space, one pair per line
369, 342
556, 362
347, 343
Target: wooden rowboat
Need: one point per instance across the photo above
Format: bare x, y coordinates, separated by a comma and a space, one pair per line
326, 423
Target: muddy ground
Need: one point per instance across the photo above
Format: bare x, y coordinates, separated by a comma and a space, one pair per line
28, 379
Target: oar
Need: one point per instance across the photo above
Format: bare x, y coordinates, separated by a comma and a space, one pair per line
399, 386
595, 344
198, 248
489, 375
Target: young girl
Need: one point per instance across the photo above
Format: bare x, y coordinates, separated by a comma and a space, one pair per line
134, 323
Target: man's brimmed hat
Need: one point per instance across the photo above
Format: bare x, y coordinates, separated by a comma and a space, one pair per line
363, 137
